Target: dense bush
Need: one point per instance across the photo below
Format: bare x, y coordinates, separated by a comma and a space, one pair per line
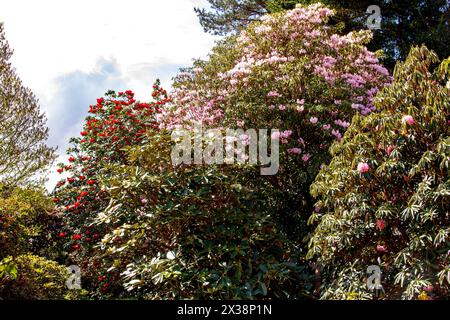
116, 121
27, 223
33, 278
28, 247
193, 232
384, 199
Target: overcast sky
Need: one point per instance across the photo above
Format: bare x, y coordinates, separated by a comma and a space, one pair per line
71, 52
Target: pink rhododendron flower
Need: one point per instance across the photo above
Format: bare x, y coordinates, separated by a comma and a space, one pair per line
313, 120
245, 139
306, 157
389, 150
381, 249
286, 134
343, 124
408, 119
337, 134
363, 167
295, 150
273, 94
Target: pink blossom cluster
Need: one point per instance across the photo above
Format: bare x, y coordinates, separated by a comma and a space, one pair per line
279, 62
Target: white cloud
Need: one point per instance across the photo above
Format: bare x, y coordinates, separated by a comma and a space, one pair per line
52, 37
61, 50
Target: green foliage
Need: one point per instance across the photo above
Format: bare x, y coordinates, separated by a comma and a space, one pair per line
23, 153
33, 278
193, 232
384, 199
28, 246
26, 222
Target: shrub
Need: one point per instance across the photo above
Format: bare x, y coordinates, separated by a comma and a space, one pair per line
116, 121
27, 223
33, 278
384, 198
192, 232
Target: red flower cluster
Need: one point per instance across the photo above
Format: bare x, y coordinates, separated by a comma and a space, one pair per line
76, 237
114, 122
381, 224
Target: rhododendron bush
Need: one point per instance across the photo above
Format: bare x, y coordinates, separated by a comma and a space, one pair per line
194, 232
115, 123
292, 72
384, 199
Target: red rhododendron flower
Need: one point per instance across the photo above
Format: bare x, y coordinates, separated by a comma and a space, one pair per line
62, 234
381, 224
71, 159
84, 133
60, 170
71, 180
83, 194
76, 236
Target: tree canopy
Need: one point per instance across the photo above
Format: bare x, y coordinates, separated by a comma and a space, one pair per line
23, 132
403, 24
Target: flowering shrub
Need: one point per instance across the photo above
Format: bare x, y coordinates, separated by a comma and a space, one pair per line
384, 199
115, 122
293, 72
193, 232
